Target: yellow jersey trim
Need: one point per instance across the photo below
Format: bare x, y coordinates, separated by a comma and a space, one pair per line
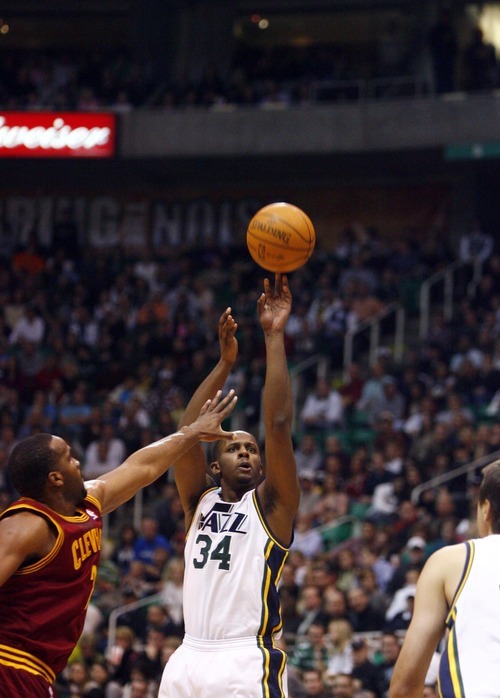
18, 659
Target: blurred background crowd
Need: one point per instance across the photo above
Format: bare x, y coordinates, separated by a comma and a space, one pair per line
396, 65
104, 347
105, 351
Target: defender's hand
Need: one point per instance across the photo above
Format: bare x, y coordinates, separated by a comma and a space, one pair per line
212, 414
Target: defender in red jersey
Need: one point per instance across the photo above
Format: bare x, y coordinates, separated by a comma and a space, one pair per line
50, 542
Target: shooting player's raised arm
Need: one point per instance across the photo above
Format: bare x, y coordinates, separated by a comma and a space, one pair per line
280, 491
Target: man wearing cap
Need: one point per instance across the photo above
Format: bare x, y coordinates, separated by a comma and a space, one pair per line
413, 557
310, 494
458, 590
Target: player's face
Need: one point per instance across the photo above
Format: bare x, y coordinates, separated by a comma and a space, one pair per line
69, 467
239, 460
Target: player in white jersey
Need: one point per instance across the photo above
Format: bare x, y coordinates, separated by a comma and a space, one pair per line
239, 533
458, 589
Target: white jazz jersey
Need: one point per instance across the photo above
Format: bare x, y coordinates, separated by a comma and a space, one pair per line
233, 566
470, 662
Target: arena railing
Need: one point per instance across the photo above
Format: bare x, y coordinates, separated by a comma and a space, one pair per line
375, 88
464, 469
127, 608
376, 333
400, 86
451, 285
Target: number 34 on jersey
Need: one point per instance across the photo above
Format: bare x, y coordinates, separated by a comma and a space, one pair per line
221, 519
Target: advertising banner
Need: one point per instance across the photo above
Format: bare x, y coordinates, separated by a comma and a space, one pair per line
57, 135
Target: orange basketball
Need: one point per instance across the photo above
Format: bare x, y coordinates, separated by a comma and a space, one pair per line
280, 237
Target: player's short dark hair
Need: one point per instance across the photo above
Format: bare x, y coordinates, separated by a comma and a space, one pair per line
29, 464
214, 451
490, 490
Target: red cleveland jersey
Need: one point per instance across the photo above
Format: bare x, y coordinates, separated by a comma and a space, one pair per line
43, 605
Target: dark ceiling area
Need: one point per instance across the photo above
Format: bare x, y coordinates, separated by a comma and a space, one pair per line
53, 23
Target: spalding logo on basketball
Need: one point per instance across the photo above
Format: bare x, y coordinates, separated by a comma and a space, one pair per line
280, 237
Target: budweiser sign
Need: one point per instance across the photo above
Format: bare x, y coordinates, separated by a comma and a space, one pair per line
57, 135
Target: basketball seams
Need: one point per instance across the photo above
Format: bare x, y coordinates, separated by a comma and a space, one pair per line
287, 224
310, 228
279, 245
289, 264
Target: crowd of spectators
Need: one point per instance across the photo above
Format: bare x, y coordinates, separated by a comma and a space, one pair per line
279, 76
106, 351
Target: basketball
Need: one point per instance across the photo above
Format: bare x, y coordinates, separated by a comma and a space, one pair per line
280, 237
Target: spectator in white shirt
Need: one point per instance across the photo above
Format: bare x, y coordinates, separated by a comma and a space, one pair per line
323, 408
475, 244
30, 327
372, 393
392, 400
306, 538
134, 415
310, 494
105, 453
172, 589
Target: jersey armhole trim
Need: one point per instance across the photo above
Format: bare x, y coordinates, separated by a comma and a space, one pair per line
43, 562
202, 496
90, 498
469, 559
263, 521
